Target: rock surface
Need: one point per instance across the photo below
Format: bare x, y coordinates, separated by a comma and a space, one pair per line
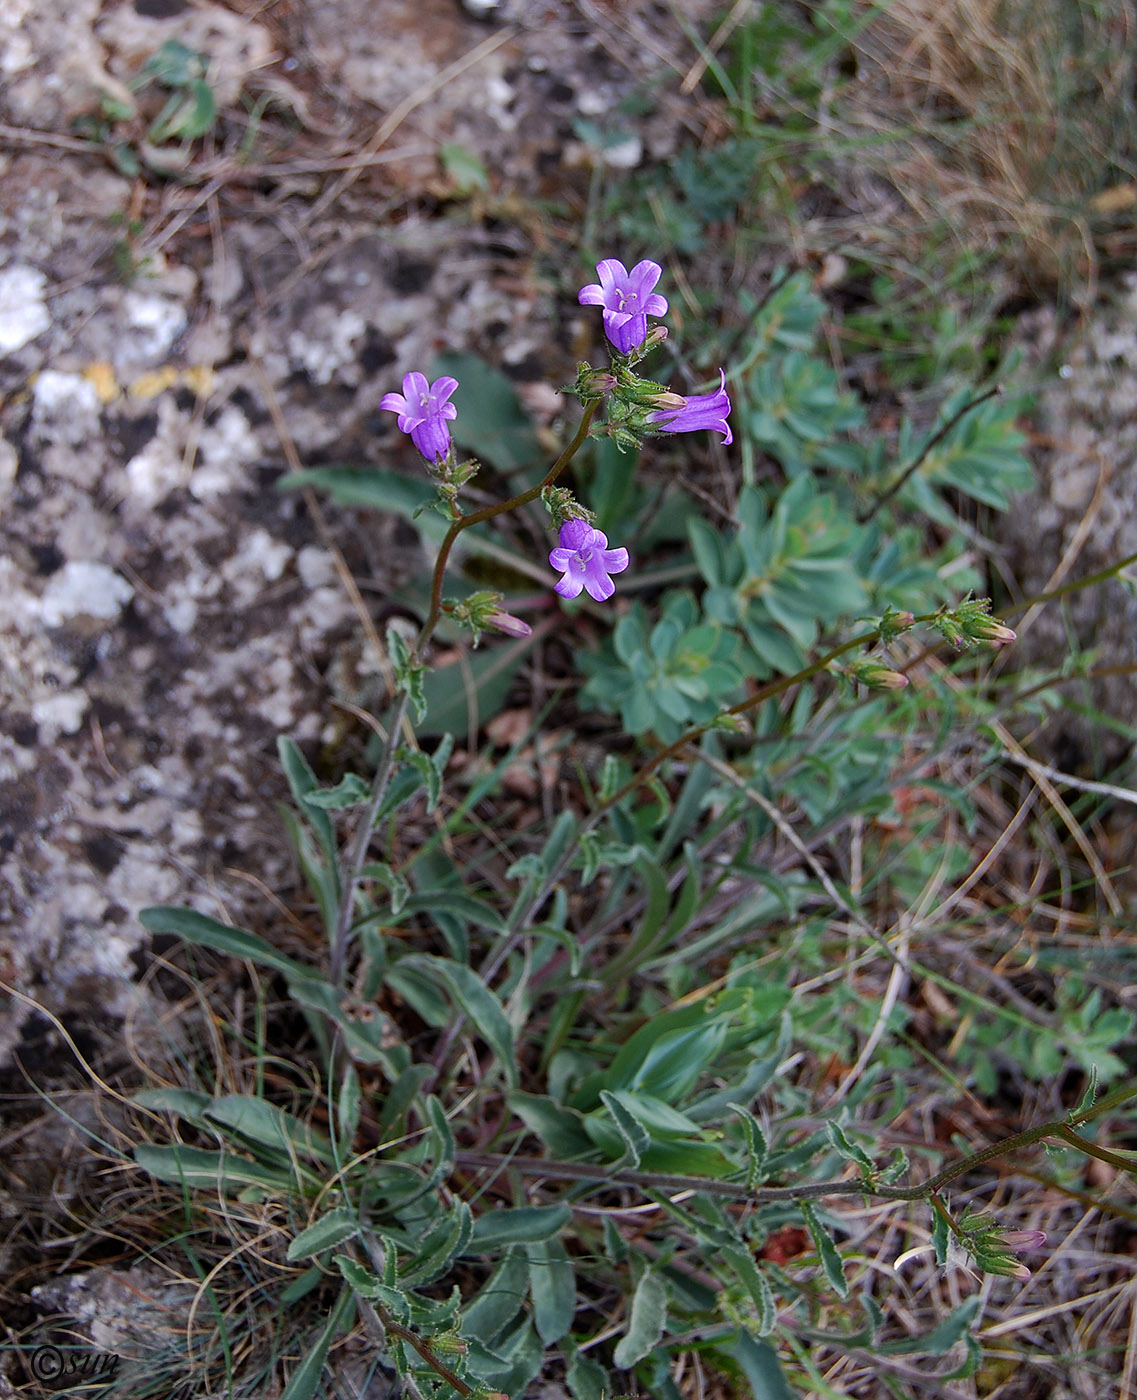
1082, 518
164, 347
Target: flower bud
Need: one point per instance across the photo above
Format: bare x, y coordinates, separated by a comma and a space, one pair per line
876, 675
561, 505
668, 400
986, 629
481, 611
893, 623
449, 1344
593, 383
951, 631
1024, 1239
510, 625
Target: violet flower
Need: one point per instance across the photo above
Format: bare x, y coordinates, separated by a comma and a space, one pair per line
627, 299
585, 561
423, 410
699, 411
507, 623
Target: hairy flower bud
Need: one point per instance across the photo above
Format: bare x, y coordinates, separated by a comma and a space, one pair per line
893, 623
592, 383
986, 629
876, 675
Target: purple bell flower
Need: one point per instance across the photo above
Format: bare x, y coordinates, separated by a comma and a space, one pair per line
699, 411
423, 411
627, 299
585, 561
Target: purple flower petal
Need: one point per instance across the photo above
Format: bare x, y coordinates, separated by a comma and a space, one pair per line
700, 411
627, 299
585, 562
423, 412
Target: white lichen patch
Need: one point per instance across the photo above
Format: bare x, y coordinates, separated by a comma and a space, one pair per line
61, 713
315, 566
260, 560
224, 449
328, 345
65, 408
23, 311
9, 462
151, 325
84, 588
277, 701
159, 467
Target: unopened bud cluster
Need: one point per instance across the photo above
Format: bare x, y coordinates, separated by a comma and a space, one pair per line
970, 623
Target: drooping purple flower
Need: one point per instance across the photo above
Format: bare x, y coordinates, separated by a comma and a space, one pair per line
423, 411
699, 411
585, 561
627, 299
507, 623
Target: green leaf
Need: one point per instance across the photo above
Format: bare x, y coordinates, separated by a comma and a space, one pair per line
499, 1301
462, 696
632, 1133
440, 1248
560, 1129
587, 1379
303, 784
849, 1149
270, 1126
552, 1286
198, 1169
222, 938
300, 1287
443, 1141
363, 1039
517, 1359
173, 65
431, 767
376, 490
463, 167
517, 1225
350, 791
303, 1383
826, 1249
320, 873
182, 1101
761, 1367
331, 1229
480, 1005
941, 1338
645, 1325
348, 1107
362, 1280
394, 881
756, 1146
1089, 1095
466, 906
754, 1281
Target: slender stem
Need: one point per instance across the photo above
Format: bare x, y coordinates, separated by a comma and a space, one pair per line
357, 852
356, 855
382, 1321
488, 512
1075, 585
921, 456
739, 1191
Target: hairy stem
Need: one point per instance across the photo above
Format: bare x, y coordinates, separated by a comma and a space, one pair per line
356, 855
666, 1183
